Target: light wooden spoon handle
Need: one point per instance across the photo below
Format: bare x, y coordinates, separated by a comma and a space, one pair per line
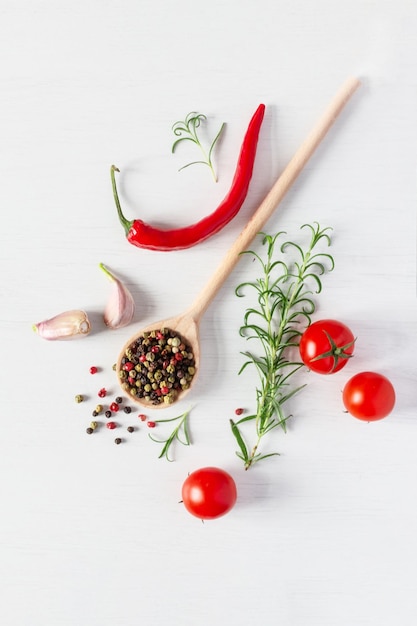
274, 197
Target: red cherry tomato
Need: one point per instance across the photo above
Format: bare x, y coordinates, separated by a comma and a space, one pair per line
209, 492
326, 346
369, 396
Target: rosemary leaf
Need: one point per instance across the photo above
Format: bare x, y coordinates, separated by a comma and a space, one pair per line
180, 434
187, 131
284, 294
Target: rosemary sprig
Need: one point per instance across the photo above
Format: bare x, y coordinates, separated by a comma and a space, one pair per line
284, 301
187, 131
180, 433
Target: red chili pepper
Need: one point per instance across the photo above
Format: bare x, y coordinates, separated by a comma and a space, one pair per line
144, 235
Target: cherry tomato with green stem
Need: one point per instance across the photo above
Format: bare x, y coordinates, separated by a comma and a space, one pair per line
326, 346
369, 396
209, 492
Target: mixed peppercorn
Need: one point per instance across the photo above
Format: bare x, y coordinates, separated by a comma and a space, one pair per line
110, 410
157, 366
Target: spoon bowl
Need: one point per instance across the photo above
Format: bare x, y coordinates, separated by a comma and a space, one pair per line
187, 324
187, 328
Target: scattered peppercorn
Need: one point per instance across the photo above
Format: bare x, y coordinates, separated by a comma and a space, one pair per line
142, 417
99, 409
127, 409
102, 393
157, 366
151, 424
89, 430
79, 398
117, 440
108, 414
119, 400
239, 411
111, 425
93, 425
114, 407
130, 429
93, 369
94, 413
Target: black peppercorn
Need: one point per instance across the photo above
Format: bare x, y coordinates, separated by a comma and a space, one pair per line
130, 429
89, 430
127, 409
108, 414
117, 440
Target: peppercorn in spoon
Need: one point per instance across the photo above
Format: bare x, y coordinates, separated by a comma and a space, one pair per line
159, 364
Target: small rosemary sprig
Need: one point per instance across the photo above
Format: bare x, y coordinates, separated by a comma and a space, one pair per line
180, 433
187, 131
284, 301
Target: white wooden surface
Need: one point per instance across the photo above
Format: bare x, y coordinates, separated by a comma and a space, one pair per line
92, 534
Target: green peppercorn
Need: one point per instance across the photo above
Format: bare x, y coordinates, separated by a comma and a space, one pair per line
93, 425
99, 409
79, 398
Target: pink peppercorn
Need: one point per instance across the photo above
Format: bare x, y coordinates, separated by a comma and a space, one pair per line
239, 411
93, 369
151, 424
142, 417
111, 425
114, 407
102, 393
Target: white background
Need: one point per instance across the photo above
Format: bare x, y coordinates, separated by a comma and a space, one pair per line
92, 534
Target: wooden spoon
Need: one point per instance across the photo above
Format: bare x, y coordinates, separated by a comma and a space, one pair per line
187, 324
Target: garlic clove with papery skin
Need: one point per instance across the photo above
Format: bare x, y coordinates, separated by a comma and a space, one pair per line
120, 307
66, 325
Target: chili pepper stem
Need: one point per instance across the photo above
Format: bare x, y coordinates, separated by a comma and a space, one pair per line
123, 220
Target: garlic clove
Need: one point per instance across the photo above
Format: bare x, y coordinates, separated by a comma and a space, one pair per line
120, 307
66, 325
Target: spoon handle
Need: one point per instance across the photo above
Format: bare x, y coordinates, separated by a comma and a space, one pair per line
274, 197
